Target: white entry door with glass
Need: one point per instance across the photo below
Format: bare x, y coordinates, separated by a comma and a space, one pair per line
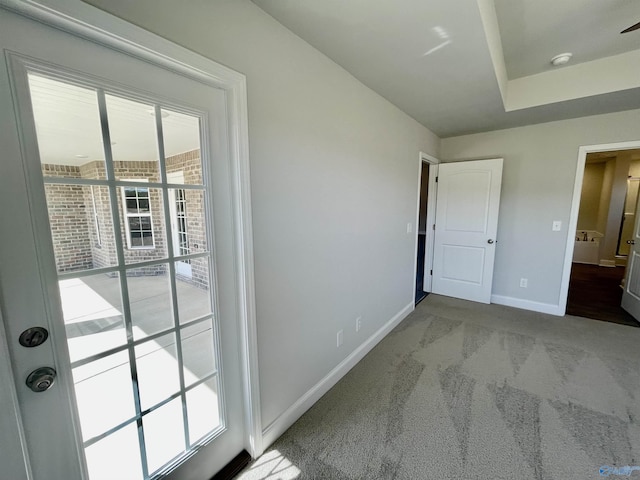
118, 176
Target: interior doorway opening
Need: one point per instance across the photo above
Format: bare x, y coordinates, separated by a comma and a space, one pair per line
422, 233
604, 234
425, 220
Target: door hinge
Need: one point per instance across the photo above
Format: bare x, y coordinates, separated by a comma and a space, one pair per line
436, 179
431, 272
434, 226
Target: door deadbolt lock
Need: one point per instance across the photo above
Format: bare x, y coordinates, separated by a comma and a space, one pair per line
34, 336
41, 379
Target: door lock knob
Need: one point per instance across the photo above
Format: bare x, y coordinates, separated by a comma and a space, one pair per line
34, 336
41, 379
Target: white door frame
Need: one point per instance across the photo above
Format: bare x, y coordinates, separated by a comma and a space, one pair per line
431, 217
81, 19
575, 208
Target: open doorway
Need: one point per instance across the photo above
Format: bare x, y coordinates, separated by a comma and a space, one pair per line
427, 177
422, 232
603, 236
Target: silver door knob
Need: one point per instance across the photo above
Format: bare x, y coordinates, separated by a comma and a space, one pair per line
41, 379
631, 242
490, 241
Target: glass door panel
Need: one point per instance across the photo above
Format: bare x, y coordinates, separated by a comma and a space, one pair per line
133, 139
100, 461
133, 268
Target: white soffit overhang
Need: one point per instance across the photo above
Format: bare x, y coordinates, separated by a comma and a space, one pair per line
567, 83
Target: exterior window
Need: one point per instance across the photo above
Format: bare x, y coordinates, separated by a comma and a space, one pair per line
136, 203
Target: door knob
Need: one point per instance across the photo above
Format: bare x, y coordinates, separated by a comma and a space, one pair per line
631, 242
41, 379
490, 241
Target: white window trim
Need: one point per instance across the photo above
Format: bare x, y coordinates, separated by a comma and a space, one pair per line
127, 215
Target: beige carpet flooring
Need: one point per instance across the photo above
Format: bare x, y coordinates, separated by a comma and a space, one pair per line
461, 390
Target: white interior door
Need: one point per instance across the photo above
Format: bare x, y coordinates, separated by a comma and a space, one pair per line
467, 206
146, 367
631, 293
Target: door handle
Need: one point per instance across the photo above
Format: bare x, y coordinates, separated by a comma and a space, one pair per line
41, 379
490, 241
631, 242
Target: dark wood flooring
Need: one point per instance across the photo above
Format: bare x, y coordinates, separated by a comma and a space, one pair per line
594, 292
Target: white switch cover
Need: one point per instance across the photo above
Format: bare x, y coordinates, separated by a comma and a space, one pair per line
557, 225
409, 227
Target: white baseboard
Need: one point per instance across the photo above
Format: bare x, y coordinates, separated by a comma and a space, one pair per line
527, 305
295, 411
607, 263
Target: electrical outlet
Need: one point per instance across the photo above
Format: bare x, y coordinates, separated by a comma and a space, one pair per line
339, 338
358, 324
523, 283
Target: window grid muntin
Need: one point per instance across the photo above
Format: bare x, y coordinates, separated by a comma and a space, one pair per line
135, 343
172, 273
112, 183
124, 289
146, 263
153, 408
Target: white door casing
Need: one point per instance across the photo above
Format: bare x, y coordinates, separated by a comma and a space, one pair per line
631, 292
28, 284
468, 200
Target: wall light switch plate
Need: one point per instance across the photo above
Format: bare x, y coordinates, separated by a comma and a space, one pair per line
409, 227
557, 226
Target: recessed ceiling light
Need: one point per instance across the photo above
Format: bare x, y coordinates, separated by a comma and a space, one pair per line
561, 59
82, 156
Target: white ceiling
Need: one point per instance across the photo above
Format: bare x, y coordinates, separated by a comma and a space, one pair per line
69, 133
532, 32
472, 65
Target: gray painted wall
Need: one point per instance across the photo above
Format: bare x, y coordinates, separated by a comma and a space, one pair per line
334, 183
537, 186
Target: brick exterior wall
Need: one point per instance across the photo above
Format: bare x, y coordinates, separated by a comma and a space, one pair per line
68, 218
71, 212
106, 254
